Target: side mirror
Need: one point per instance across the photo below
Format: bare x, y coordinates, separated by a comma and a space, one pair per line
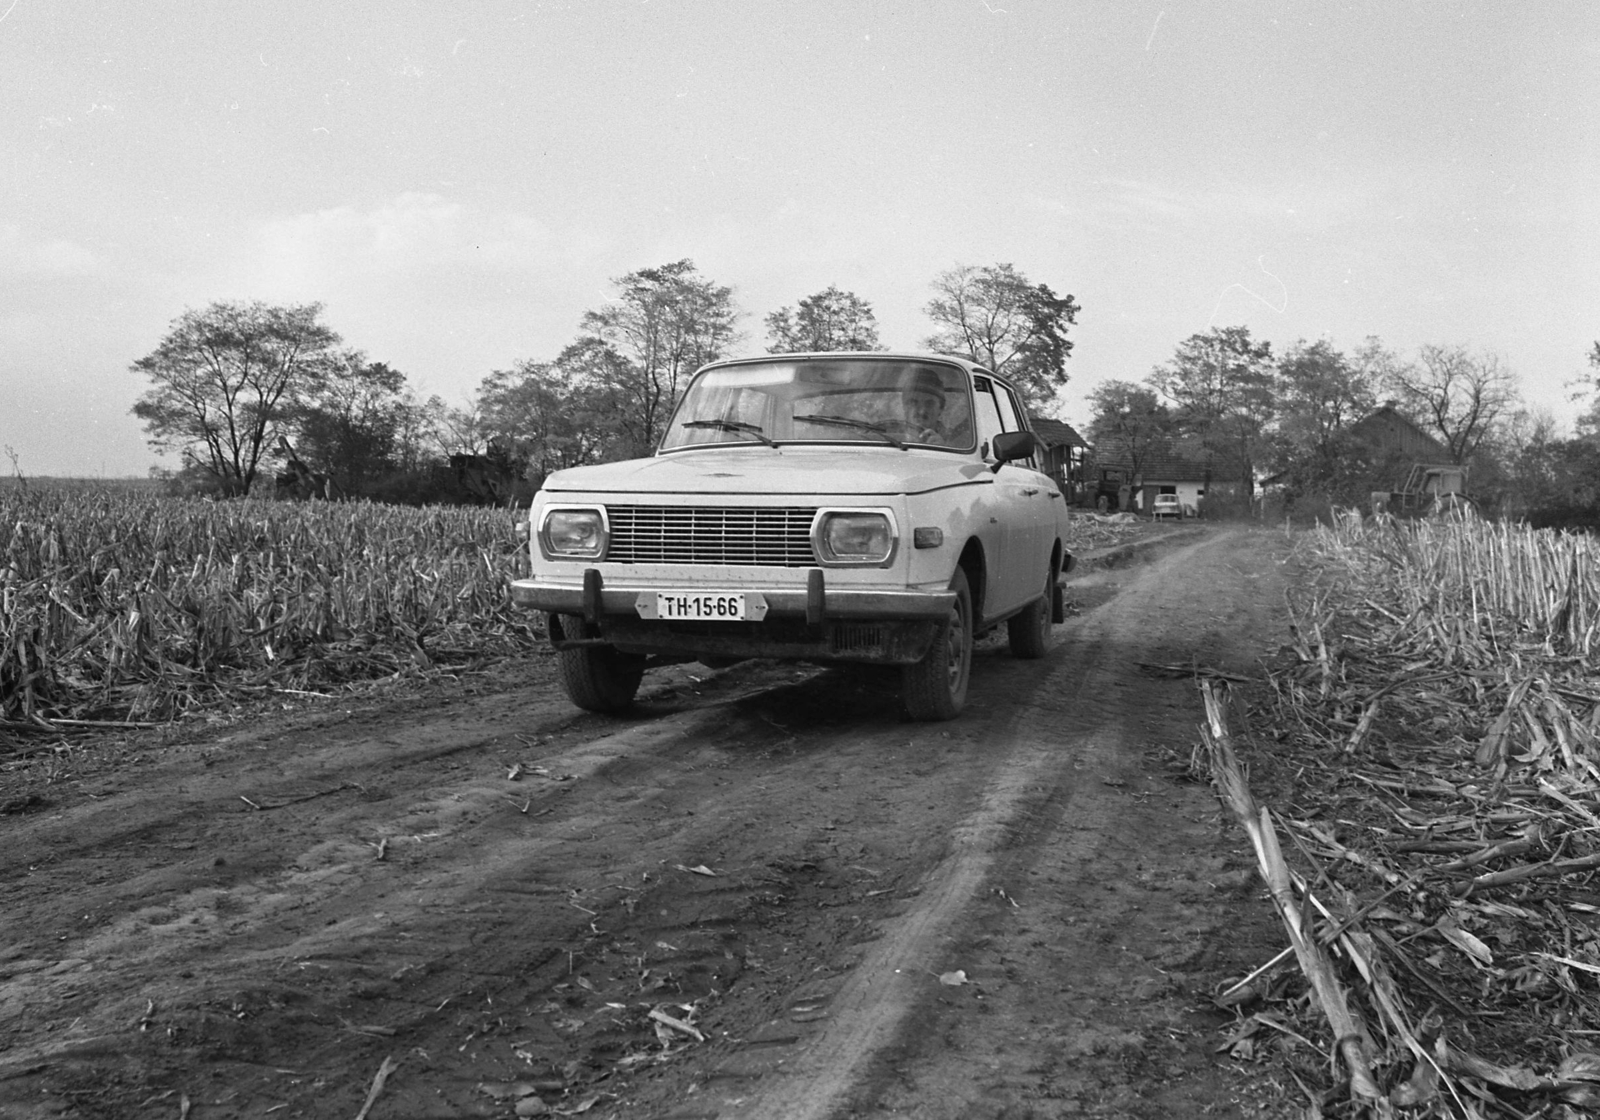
1013, 445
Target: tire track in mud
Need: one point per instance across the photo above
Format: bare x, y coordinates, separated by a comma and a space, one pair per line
289, 950
310, 896
1135, 899
1048, 790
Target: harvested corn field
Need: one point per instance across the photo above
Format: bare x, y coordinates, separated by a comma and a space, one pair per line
117, 605
1424, 812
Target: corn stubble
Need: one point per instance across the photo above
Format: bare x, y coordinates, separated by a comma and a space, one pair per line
122, 605
1438, 711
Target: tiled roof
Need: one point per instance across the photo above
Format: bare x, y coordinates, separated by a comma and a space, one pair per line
1160, 465
1388, 427
1055, 433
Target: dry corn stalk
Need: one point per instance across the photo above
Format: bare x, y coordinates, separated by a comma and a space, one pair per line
1350, 1036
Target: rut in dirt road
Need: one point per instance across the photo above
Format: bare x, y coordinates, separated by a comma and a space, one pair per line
739, 903
1060, 750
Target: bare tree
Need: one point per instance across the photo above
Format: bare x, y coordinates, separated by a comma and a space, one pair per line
223, 378
996, 318
1461, 397
664, 324
457, 431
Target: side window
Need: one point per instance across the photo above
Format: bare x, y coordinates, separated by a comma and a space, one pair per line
1011, 417
986, 401
1008, 408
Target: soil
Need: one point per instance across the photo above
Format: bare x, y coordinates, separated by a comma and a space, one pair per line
766, 894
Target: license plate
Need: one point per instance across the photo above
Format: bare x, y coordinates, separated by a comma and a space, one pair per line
702, 607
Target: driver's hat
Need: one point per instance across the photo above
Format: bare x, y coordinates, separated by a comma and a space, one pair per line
925, 380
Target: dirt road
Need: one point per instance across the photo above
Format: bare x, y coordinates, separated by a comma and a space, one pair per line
765, 896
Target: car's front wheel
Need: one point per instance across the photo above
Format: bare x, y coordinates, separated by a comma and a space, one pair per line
1031, 633
935, 688
600, 678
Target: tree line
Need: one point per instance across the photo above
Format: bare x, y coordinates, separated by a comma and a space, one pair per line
1227, 402
240, 389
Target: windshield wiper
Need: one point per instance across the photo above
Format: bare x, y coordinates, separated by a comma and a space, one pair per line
730, 426
863, 425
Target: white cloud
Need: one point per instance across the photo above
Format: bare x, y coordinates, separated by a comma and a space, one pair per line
407, 240
25, 255
308, 249
441, 290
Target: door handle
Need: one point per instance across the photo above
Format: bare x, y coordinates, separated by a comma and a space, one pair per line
1030, 491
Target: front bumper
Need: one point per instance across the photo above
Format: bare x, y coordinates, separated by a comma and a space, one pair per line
814, 623
816, 602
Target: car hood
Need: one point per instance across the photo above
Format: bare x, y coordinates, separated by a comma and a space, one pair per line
777, 470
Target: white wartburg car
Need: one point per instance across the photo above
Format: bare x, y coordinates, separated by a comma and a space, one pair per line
871, 507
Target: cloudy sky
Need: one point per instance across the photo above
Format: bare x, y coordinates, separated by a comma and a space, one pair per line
458, 182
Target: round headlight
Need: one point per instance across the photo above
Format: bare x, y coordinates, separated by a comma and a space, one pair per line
578, 534
856, 538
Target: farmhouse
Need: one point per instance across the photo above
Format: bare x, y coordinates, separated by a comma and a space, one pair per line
1161, 470
1391, 438
1405, 464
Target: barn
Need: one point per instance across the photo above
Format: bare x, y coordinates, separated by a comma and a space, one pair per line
1063, 455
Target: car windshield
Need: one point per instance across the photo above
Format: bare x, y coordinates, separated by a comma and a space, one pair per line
890, 402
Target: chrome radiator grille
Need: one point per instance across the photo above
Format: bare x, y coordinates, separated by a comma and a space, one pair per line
711, 535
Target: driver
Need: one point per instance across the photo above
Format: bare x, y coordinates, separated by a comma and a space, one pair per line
922, 403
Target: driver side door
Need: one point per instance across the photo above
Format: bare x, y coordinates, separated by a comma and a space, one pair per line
1019, 499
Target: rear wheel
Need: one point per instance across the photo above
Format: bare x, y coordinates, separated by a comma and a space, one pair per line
599, 678
935, 688
1031, 633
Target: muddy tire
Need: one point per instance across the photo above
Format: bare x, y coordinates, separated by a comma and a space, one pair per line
935, 688
1032, 633
600, 678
